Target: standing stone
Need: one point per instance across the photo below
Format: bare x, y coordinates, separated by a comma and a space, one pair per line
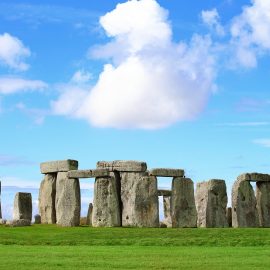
139, 197
263, 203
0, 203
244, 211
22, 206
68, 200
89, 214
229, 216
167, 211
183, 209
37, 219
211, 203
47, 193
106, 205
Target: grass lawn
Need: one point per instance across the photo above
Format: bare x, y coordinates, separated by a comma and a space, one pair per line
52, 247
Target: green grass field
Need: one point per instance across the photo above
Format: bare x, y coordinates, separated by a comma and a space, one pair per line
52, 247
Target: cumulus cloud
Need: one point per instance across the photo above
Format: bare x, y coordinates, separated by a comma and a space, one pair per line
251, 33
13, 52
11, 85
149, 81
211, 18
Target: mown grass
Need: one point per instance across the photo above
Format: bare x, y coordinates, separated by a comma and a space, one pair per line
52, 247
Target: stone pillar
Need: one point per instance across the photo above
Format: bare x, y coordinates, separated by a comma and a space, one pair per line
89, 215
244, 211
47, 193
68, 200
106, 207
263, 203
167, 211
22, 206
229, 216
37, 219
211, 203
183, 209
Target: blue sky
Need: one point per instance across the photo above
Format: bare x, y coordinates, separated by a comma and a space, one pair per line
183, 85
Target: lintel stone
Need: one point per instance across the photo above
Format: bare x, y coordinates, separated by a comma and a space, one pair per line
254, 177
89, 173
123, 165
58, 166
164, 192
166, 172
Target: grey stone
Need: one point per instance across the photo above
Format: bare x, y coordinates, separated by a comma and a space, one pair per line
163, 192
229, 216
68, 200
123, 165
244, 211
89, 173
162, 224
211, 203
89, 214
3, 221
19, 222
37, 219
22, 206
167, 211
263, 203
165, 172
183, 209
254, 177
139, 198
47, 194
58, 166
106, 205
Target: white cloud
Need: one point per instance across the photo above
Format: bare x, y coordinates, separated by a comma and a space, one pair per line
13, 52
262, 142
11, 85
149, 81
211, 19
251, 33
81, 76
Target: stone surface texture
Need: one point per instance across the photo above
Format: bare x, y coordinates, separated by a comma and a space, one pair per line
167, 211
183, 209
89, 215
123, 165
229, 216
244, 210
263, 203
211, 203
166, 172
47, 194
37, 219
58, 166
68, 200
106, 204
139, 200
19, 222
89, 173
254, 177
22, 206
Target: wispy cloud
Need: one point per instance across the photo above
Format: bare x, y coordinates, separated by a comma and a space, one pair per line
251, 105
8, 160
245, 124
263, 142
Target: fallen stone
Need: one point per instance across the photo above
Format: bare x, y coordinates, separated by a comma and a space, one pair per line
211, 203
47, 194
229, 216
89, 214
37, 219
139, 198
106, 204
244, 211
183, 209
263, 203
165, 172
167, 211
68, 200
19, 222
89, 173
58, 166
22, 206
163, 192
123, 165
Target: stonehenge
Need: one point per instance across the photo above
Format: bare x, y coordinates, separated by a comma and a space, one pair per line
22, 208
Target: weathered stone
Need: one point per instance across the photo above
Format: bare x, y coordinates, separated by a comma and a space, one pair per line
229, 216
47, 193
19, 223
37, 219
263, 203
89, 173
0, 203
3, 221
167, 211
22, 206
183, 209
123, 165
162, 224
106, 205
163, 192
139, 200
89, 214
68, 200
254, 177
58, 166
165, 172
211, 203
244, 211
